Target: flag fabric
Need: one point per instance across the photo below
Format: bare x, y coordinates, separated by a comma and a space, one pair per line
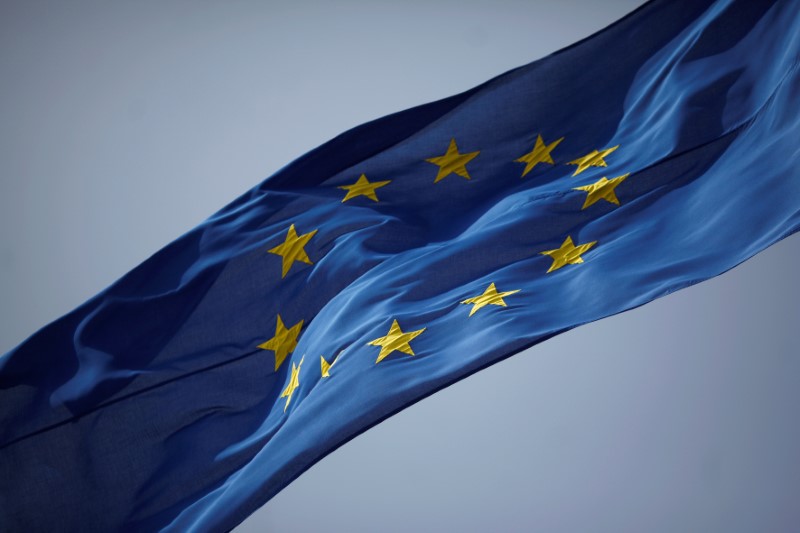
400, 257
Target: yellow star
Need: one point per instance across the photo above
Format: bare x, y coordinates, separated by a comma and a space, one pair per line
325, 366
395, 340
363, 187
489, 297
539, 154
293, 249
452, 162
592, 159
294, 382
603, 189
283, 342
567, 254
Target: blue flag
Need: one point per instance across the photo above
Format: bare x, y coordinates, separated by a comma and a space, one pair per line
400, 257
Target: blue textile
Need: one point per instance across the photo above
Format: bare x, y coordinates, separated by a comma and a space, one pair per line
157, 405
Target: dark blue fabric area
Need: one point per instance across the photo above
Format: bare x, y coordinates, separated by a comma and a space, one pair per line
150, 407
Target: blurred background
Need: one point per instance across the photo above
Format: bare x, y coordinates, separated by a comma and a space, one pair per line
125, 124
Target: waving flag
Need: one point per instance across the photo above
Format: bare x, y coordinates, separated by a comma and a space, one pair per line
401, 257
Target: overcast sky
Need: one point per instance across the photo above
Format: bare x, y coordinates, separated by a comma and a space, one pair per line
123, 125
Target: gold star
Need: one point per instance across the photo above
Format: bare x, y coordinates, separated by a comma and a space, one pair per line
294, 382
592, 159
539, 154
567, 254
293, 249
452, 162
363, 187
395, 340
603, 189
489, 297
325, 367
283, 342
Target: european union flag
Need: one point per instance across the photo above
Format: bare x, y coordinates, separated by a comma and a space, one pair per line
400, 257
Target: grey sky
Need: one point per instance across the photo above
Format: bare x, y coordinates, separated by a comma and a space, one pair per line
122, 125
